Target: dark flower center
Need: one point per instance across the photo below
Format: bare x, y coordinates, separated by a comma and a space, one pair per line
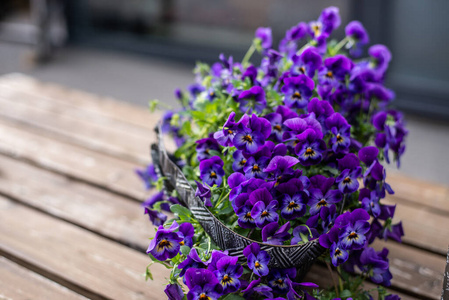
316, 29
213, 174
322, 202
337, 252
309, 152
248, 216
329, 74
353, 235
302, 70
164, 243
279, 281
293, 205
297, 96
339, 138
248, 138
347, 180
243, 162
203, 296
226, 279
257, 264
277, 127
265, 213
230, 131
181, 243
211, 94
206, 151
256, 168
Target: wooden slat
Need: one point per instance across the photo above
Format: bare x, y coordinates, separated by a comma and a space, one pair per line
116, 218
419, 192
98, 210
84, 164
19, 283
87, 102
82, 260
423, 227
100, 134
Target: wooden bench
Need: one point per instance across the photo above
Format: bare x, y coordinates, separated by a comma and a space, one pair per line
71, 223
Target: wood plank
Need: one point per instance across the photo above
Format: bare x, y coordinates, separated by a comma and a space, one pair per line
422, 226
108, 172
103, 106
122, 220
419, 192
100, 134
76, 257
19, 283
95, 209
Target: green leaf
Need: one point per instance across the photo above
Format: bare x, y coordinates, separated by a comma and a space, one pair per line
185, 250
148, 274
345, 294
180, 210
233, 297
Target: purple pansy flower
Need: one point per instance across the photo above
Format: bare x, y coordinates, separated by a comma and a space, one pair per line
174, 292
245, 218
253, 136
307, 62
354, 226
257, 259
156, 217
204, 146
265, 213
255, 288
239, 161
297, 90
166, 243
359, 38
192, 261
381, 57
309, 148
321, 109
319, 199
280, 166
338, 254
254, 98
254, 167
202, 284
295, 206
228, 271
334, 70
370, 202
275, 235
277, 279
211, 171
351, 170
376, 264
186, 231
340, 129
148, 176
225, 136
264, 35
204, 193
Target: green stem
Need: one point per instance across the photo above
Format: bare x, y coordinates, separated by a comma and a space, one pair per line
340, 45
248, 55
343, 204
222, 199
340, 281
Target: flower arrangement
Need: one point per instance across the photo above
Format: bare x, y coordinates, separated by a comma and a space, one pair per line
288, 152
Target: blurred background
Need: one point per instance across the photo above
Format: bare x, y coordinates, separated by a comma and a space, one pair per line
137, 50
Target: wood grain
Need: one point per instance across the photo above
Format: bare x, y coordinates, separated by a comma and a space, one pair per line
78, 257
119, 111
19, 283
77, 162
95, 209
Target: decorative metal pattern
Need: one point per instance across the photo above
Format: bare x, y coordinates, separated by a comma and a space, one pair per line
301, 256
